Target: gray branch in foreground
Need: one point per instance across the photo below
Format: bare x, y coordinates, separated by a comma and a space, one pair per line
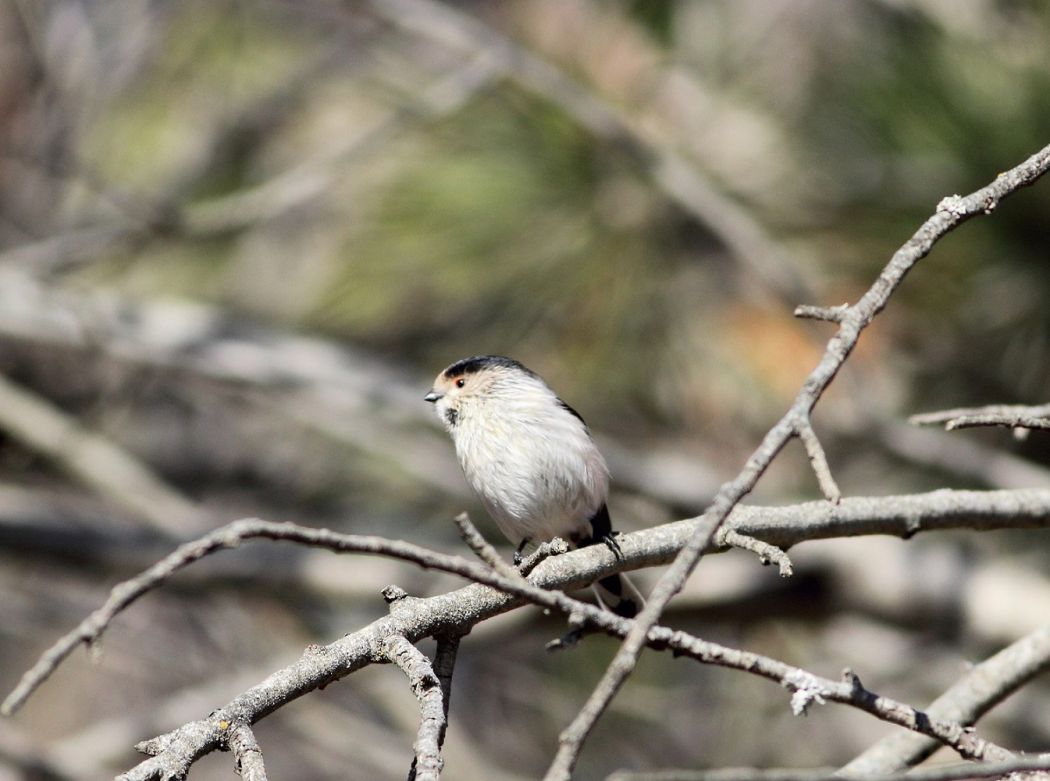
902, 516
985, 685
951, 212
945, 773
247, 754
1011, 415
455, 613
175, 751
427, 764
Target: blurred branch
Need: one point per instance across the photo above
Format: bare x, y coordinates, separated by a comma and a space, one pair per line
96, 461
946, 773
346, 393
1012, 415
951, 212
25, 760
968, 459
270, 199
672, 172
316, 175
148, 215
969, 698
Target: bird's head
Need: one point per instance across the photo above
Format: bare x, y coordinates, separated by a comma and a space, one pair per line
472, 382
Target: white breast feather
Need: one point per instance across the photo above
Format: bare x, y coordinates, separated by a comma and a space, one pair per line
532, 463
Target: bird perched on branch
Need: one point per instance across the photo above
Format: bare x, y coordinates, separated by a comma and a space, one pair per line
531, 460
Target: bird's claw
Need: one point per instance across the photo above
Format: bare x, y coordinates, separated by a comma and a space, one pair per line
613, 544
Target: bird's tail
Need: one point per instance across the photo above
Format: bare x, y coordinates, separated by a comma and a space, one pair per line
618, 595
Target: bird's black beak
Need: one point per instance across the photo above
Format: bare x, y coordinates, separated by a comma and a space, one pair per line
432, 397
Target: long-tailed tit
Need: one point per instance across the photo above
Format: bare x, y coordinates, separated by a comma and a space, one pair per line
530, 459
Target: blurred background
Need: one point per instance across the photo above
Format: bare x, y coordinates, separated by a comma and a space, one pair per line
238, 240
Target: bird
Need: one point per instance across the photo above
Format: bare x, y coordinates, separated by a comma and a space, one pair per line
531, 460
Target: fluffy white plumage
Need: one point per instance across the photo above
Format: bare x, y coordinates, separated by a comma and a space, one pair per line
529, 458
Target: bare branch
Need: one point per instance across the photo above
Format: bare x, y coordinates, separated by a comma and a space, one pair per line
444, 666
484, 550
950, 213
819, 461
807, 688
427, 764
1011, 415
831, 314
784, 527
767, 554
95, 460
943, 773
984, 686
246, 753
230, 536
543, 551
414, 618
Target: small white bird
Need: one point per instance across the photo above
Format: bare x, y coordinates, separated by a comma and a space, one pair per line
530, 459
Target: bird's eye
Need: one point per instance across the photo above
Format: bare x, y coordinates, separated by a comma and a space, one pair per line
460, 382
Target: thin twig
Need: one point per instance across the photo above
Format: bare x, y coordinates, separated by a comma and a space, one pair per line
543, 551
315, 175
1019, 421
246, 753
966, 458
767, 554
819, 461
484, 550
1010, 415
961, 772
950, 213
427, 764
831, 314
969, 698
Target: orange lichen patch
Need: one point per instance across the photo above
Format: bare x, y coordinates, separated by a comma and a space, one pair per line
779, 350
